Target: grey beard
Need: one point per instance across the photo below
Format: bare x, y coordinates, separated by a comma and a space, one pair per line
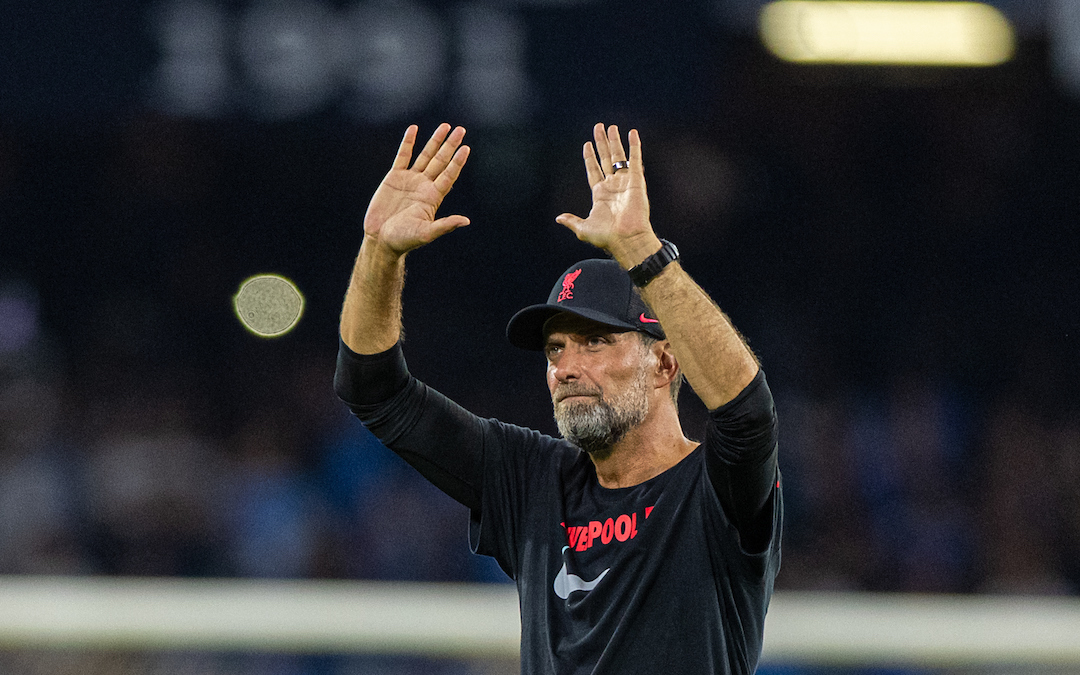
596, 427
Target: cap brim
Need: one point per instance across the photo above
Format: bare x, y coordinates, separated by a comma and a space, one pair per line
526, 328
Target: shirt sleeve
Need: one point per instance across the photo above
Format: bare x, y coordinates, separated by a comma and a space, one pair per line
741, 459
439, 438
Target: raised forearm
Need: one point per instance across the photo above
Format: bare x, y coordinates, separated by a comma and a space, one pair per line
399, 218
711, 352
371, 315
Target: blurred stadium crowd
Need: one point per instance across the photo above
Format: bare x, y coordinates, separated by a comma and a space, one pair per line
900, 255
910, 485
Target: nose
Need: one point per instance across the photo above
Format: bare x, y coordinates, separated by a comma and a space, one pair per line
567, 367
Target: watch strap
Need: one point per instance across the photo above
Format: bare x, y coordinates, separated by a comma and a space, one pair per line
642, 274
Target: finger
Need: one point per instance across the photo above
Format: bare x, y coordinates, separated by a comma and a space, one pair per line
431, 147
446, 225
445, 154
404, 153
451, 222
571, 222
445, 180
592, 168
602, 149
615, 146
635, 151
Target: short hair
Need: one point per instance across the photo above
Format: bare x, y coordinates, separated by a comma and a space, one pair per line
676, 384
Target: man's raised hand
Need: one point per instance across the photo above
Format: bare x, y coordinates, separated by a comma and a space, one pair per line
619, 219
401, 215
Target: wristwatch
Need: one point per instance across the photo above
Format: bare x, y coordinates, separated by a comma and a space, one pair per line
645, 272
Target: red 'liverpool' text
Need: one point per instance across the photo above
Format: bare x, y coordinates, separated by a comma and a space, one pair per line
622, 528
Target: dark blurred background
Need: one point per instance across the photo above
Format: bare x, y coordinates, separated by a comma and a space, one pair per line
898, 244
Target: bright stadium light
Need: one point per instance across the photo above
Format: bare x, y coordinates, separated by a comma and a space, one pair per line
887, 33
268, 305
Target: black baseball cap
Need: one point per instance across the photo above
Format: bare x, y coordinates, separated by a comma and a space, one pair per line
594, 289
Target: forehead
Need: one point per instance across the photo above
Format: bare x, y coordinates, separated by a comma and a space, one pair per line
577, 325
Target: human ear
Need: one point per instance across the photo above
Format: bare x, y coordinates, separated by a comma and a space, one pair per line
667, 366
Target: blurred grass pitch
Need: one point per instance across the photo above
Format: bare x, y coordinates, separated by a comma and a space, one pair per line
268, 305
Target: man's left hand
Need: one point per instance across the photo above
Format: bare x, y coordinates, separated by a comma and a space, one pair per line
619, 219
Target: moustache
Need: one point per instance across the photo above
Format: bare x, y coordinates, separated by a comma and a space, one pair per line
568, 390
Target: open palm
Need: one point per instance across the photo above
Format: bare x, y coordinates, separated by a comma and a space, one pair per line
401, 215
619, 218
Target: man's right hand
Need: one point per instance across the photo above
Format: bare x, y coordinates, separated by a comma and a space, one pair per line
401, 215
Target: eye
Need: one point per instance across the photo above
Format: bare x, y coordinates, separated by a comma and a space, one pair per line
597, 340
552, 350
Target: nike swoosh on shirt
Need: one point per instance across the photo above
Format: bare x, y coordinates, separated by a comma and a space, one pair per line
566, 583
645, 319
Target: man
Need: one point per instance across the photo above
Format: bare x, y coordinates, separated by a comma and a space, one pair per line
634, 549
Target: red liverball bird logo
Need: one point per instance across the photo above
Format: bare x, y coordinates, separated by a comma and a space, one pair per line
568, 286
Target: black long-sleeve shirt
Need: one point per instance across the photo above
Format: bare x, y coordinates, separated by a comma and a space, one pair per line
673, 575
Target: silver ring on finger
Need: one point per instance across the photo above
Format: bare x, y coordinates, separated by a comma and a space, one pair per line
624, 164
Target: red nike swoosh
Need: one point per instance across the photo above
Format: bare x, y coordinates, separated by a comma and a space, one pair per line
645, 319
